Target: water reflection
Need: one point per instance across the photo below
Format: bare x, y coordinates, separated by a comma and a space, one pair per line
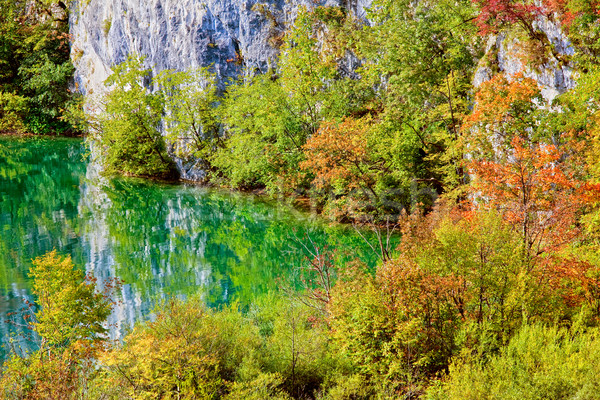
160, 240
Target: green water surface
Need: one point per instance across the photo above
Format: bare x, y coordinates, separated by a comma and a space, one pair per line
160, 239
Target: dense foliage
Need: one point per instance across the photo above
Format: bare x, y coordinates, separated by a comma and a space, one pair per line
69, 325
127, 132
35, 69
493, 291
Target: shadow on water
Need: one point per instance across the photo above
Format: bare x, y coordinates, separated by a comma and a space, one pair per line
161, 240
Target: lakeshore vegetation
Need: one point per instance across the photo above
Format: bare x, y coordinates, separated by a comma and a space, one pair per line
494, 289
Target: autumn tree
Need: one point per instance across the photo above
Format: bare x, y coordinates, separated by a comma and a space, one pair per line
497, 14
338, 155
69, 324
533, 175
177, 355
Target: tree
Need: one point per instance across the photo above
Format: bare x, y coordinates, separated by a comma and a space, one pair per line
337, 155
540, 362
191, 121
70, 308
69, 323
534, 176
420, 57
130, 139
522, 168
497, 14
13, 109
345, 158
175, 356
268, 118
34, 59
263, 136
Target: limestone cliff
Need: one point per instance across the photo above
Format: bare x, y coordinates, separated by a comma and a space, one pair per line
242, 36
229, 35
506, 53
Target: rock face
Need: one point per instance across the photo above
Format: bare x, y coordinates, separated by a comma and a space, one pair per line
505, 53
232, 36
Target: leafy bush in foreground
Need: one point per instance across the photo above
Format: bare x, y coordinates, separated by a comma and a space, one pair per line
539, 363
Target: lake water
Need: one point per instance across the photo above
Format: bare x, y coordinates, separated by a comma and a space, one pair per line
160, 239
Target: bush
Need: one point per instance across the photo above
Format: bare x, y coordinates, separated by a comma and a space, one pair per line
539, 363
186, 352
13, 110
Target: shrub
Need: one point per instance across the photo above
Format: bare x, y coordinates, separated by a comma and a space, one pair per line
539, 363
13, 110
186, 352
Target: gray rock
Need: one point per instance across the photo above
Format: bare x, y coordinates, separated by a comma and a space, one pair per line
230, 36
503, 53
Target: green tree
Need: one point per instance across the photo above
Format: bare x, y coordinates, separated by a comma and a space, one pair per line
422, 57
306, 72
129, 139
262, 141
191, 121
268, 118
34, 61
45, 83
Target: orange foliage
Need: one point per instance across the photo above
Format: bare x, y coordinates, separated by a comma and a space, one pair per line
536, 191
538, 185
338, 152
503, 109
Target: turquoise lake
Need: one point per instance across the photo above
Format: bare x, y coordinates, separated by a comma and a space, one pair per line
159, 239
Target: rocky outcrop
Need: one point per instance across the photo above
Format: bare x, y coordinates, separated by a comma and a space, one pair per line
230, 36
234, 37
506, 53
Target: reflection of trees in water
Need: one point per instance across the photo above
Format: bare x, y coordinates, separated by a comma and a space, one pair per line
173, 239
39, 189
161, 240
39, 194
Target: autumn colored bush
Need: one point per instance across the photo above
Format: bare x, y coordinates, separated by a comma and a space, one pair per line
178, 355
461, 283
69, 324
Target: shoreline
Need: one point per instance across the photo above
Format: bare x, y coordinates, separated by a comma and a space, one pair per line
27, 135
299, 202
